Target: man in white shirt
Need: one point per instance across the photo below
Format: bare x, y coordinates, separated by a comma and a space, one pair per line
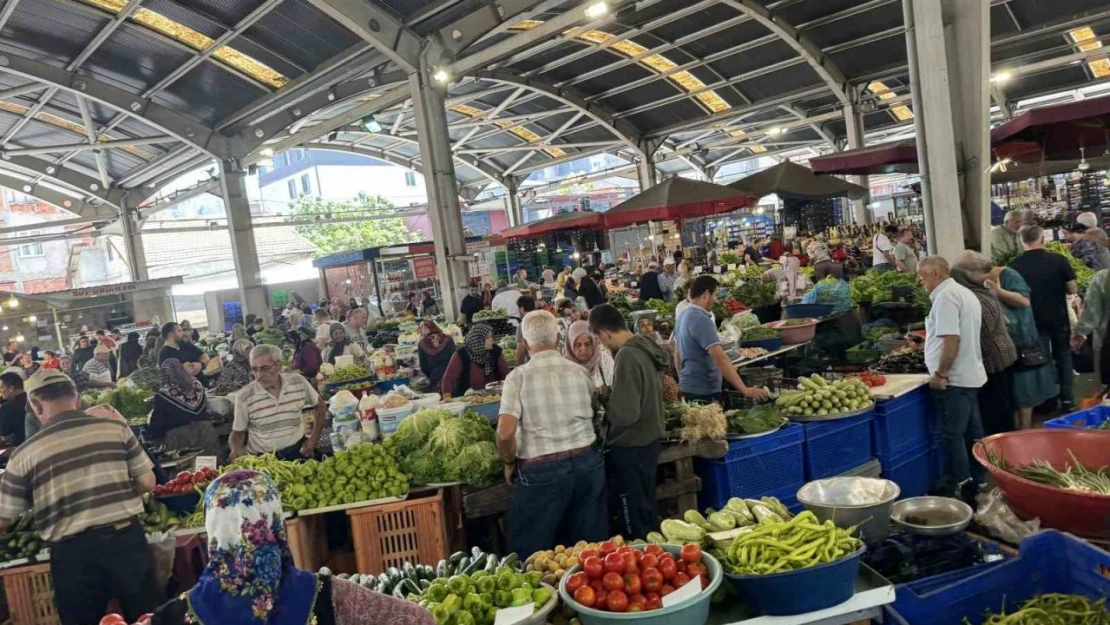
955, 363
882, 250
322, 320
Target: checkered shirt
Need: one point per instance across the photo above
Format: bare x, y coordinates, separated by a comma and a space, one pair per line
552, 398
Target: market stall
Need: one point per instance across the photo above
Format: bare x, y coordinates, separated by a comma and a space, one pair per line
566, 239
383, 276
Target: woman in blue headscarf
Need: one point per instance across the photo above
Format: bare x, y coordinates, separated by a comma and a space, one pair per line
251, 579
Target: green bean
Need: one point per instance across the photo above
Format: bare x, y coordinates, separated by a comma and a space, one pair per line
1054, 609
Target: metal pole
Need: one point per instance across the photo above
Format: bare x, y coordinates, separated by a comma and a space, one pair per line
80, 147
58, 329
919, 127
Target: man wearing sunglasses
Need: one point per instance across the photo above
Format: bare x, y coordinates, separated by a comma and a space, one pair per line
268, 411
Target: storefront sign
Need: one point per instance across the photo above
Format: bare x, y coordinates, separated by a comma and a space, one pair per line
107, 289
481, 259
424, 267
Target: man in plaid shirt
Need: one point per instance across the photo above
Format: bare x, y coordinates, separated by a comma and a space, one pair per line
546, 439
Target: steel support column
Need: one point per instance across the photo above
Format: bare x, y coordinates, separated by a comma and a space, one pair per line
853, 124
444, 211
252, 295
645, 164
514, 205
936, 141
967, 38
133, 242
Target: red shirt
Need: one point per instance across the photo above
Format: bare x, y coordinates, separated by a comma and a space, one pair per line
839, 254
776, 248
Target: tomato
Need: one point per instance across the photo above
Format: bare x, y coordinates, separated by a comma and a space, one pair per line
667, 568
691, 553
652, 580
588, 553
699, 570
584, 596
639, 555
614, 562
606, 547
681, 566
666, 590
681, 579
602, 597
184, 476
654, 601
612, 581
113, 619
632, 584
635, 607
596, 584
635, 597
576, 581
593, 567
630, 564
617, 601
654, 550
649, 562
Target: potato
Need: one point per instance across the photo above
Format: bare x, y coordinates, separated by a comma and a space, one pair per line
550, 579
560, 549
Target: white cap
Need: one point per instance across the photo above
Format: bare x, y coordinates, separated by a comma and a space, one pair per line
1090, 220
668, 261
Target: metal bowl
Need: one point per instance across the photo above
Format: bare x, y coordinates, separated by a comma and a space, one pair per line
852, 501
932, 516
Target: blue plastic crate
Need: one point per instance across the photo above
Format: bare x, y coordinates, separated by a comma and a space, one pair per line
903, 428
1090, 418
892, 405
384, 386
490, 410
913, 471
834, 447
754, 468
1047, 562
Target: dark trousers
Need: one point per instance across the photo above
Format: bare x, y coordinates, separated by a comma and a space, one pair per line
997, 404
292, 452
1060, 337
98, 565
631, 473
558, 502
708, 399
960, 428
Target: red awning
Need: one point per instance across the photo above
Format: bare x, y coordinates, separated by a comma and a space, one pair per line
885, 158
676, 198
1058, 130
575, 220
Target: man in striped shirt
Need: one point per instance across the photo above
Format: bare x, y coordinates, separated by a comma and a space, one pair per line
268, 411
83, 476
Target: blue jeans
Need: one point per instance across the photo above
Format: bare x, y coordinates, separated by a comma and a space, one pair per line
960, 428
559, 502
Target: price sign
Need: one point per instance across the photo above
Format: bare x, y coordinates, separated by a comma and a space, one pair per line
424, 267
731, 266
205, 462
509, 616
691, 589
697, 270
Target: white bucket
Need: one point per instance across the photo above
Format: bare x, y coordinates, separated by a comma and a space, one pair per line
390, 418
455, 407
427, 400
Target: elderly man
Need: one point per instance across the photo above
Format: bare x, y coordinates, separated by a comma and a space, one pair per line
268, 411
546, 439
666, 279
84, 477
650, 282
99, 368
356, 326
1004, 238
955, 362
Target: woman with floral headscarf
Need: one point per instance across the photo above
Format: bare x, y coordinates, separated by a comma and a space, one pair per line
251, 579
237, 372
477, 364
583, 348
434, 352
180, 414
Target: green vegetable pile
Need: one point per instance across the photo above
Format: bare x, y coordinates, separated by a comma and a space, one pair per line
19, 540
694, 527
816, 396
775, 547
156, 517
663, 309
759, 333
755, 420
473, 597
438, 446
1054, 609
1075, 476
348, 372
365, 472
269, 336
132, 403
485, 314
875, 287
411, 580
146, 377
754, 293
1083, 273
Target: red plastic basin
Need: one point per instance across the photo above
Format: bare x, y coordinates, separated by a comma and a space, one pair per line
1084, 514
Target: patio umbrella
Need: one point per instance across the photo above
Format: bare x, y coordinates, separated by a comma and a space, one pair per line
793, 181
884, 158
1056, 133
676, 198
575, 220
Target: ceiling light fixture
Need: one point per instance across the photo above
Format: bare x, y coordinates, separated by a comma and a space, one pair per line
266, 152
774, 131
12, 302
596, 10
441, 76
370, 123
1083, 164
1001, 77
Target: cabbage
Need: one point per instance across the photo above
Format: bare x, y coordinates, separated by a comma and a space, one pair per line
477, 464
414, 430
422, 467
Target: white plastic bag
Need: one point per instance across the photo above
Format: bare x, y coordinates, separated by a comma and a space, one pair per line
1001, 521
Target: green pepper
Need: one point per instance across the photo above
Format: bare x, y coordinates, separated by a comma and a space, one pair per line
464, 618
453, 603
521, 596
487, 584
458, 584
502, 598
477, 575
533, 578
491, 615
471, 601
540, 597
520, 581
487, 600
505, 581
440, 613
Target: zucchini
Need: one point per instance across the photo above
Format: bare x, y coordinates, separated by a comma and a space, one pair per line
399, 592
425, 584
441, 569
461, 566
476, 552
385, 586
409, 571
427, 572
409, 587
456, 557
491, 563
510, 560
475, 565
394, 574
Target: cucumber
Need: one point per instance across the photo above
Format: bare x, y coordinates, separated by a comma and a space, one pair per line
477, 564
441, 569
461, 566
510, 560
456, 557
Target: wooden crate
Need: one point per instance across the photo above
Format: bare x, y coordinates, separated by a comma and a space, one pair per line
308, 541
388, 535
30, 595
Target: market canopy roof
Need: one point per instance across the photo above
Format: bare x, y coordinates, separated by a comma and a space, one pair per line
885, 158
1056, 132
576, 220
791, 180
676, 198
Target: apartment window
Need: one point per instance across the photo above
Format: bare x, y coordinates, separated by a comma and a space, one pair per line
292, 184
410, 179
29, 250
306, 184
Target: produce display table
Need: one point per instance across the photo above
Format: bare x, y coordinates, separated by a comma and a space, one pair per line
778, 352
872, 593
899, 384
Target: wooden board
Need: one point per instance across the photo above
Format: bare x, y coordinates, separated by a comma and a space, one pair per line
351, 506
898, 384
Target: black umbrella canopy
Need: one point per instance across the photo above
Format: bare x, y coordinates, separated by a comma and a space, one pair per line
790, 180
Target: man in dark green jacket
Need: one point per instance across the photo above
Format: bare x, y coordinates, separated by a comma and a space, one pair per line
635, 420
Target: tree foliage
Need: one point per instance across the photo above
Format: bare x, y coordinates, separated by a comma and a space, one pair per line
375, 231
